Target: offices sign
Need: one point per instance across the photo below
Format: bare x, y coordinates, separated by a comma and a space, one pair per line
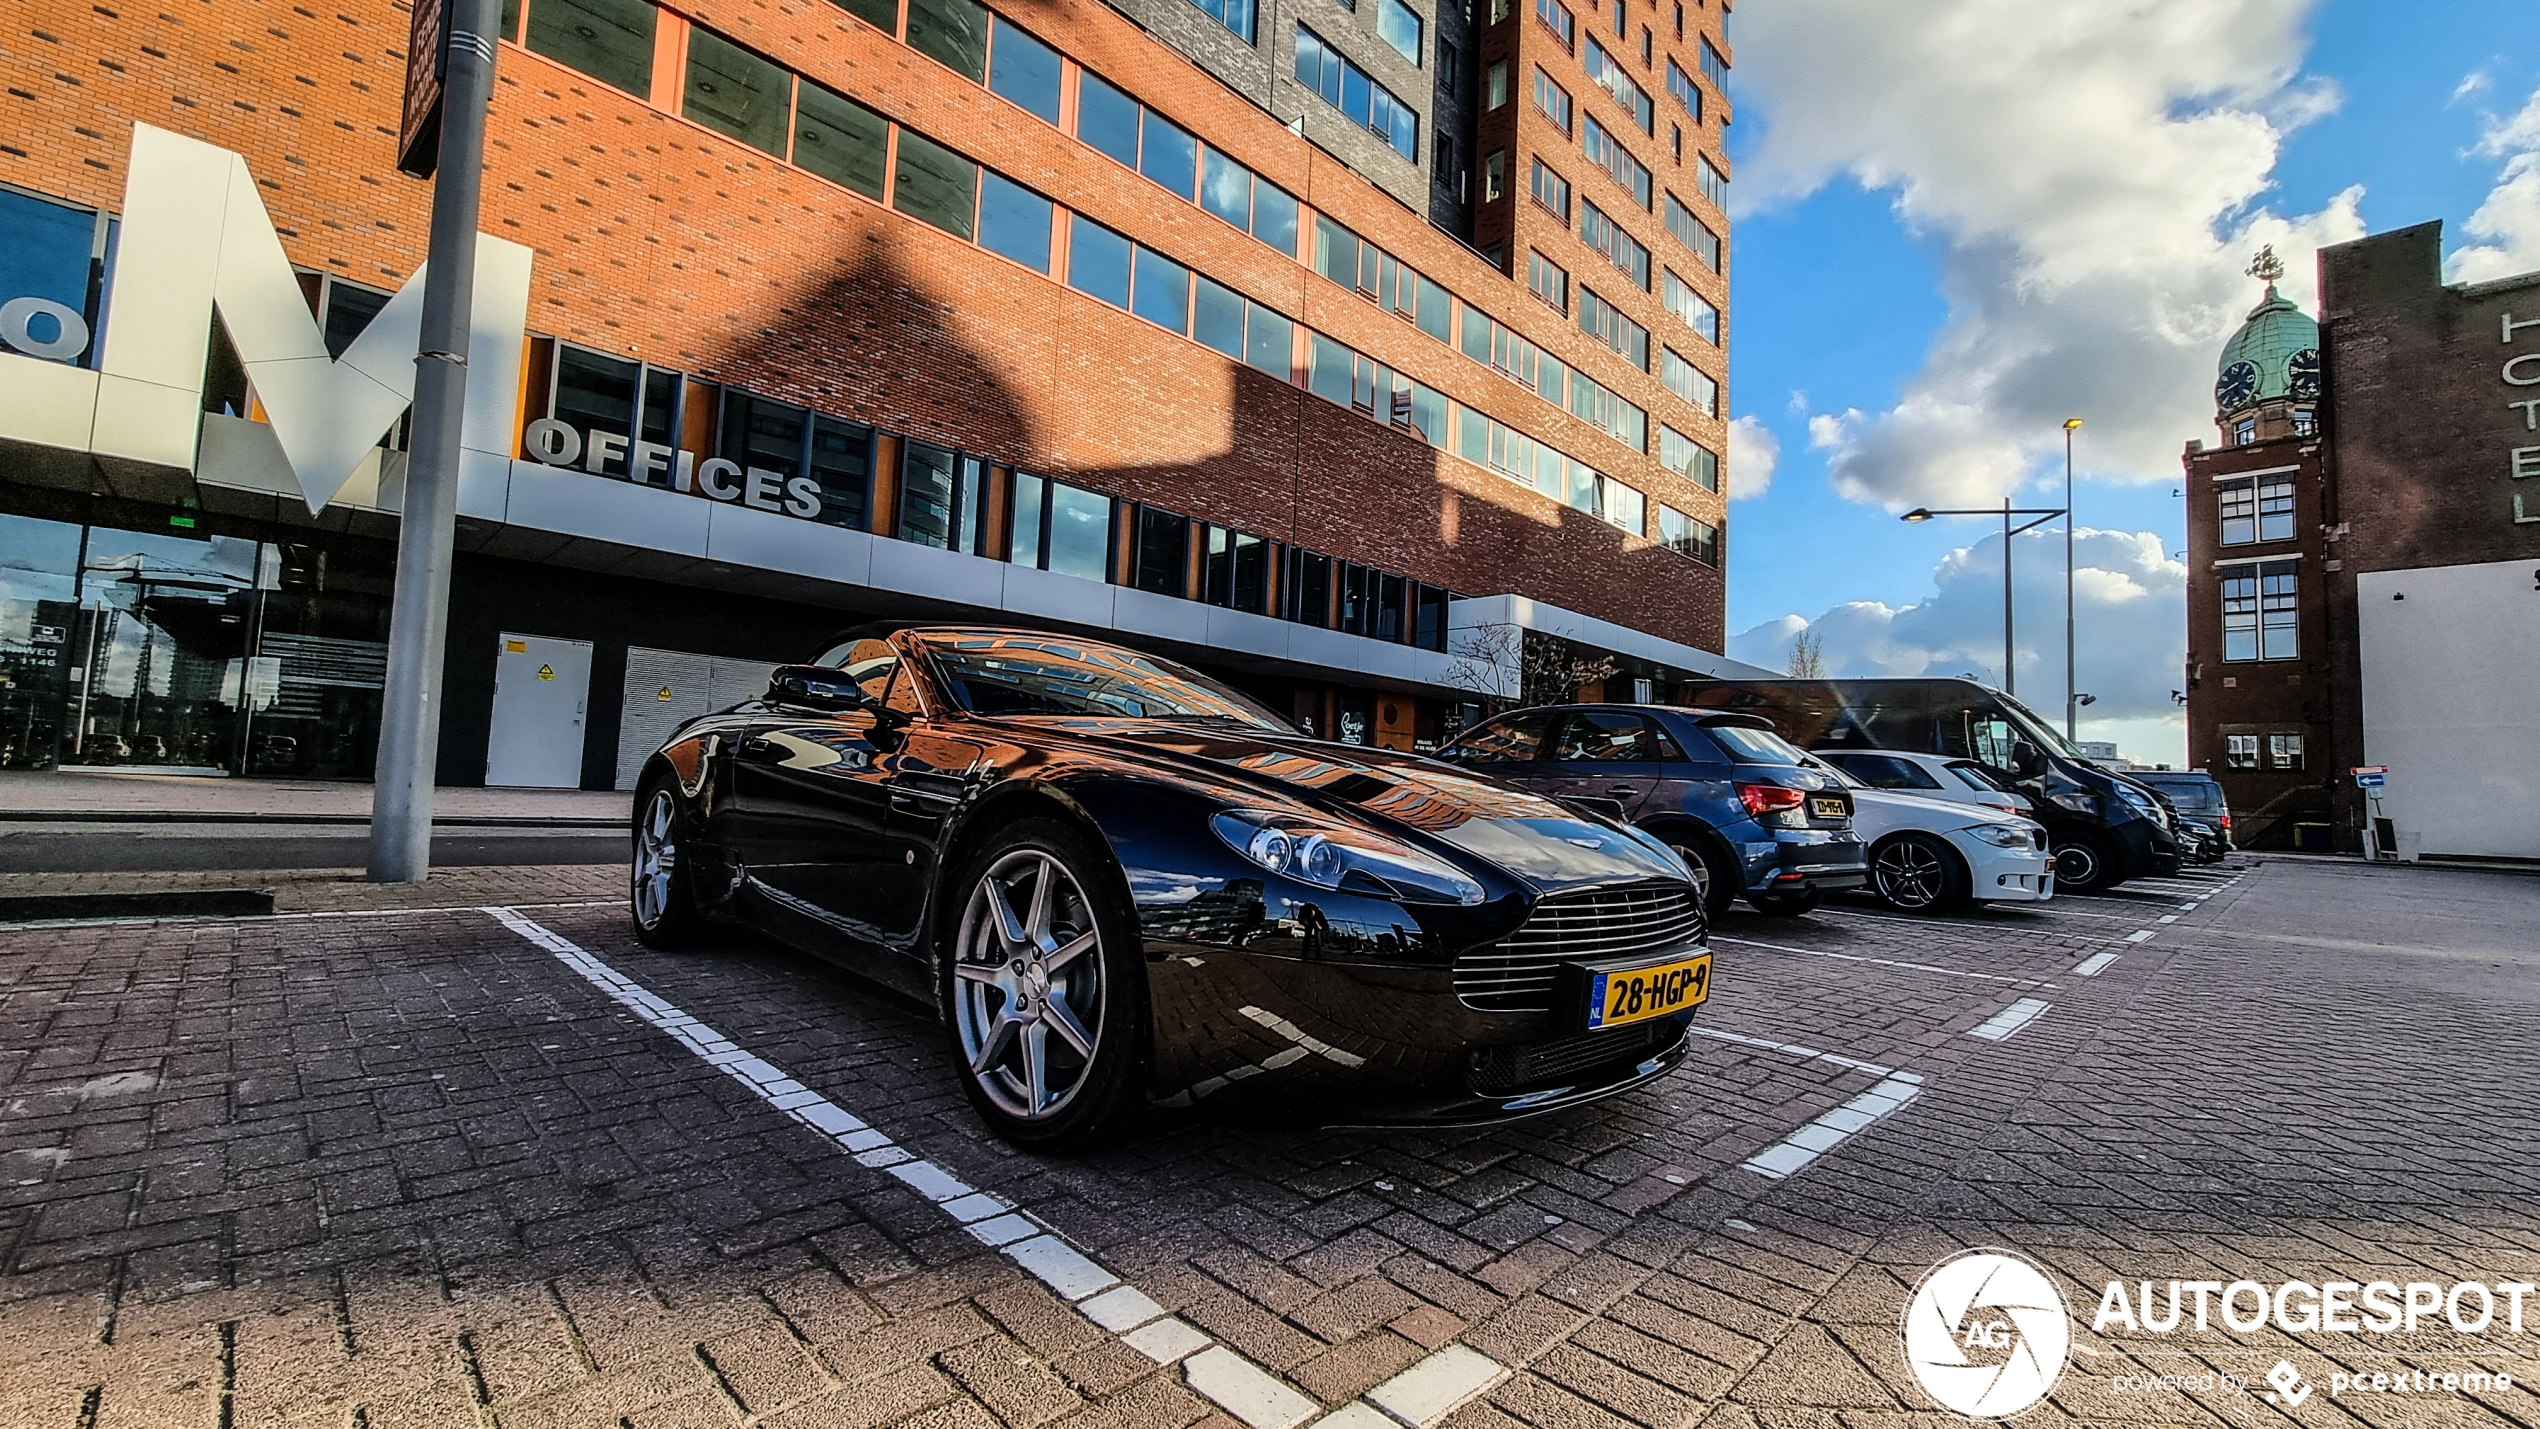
195, 240
560, 444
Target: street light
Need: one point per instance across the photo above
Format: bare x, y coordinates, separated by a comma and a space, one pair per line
2010, 671
2071, 425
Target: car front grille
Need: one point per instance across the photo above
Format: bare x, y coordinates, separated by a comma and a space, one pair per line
1507, 1071
1515, 974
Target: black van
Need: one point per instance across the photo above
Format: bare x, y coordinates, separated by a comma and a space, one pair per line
2105, 828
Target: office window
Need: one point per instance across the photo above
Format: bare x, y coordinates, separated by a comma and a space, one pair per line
2261, 611
1605, 409
735, 93
1620, 249
1448, 65
1607, 154
1622, 506
1496, 85
2284, 751
1691, 383
1400, 26
1688, 458
1335, 252
1098, 261
1601, 320
1550, 189
1715, 67
2236, 509
1622, 21
1061, 528
1269, 341
1695, 309
2240, 751
1014, 221
609, 40
1556, 17
1681, 89
1548, 282
1274, 216
2244, 431
1552, 99
1163, 292
1235, 15
883, 15
1024, 70
1648, 48
2275, 508
758, 431
1168, 154
1330, 370
930, 484
934, 185
1235, 570
1161, 564
1608, 74
1106, 118
953, 32
596, 392
841, 140
1688, 535
1495, 176
1346, 87
1715, 185
1676, 142
1255, 205
1217, 318
1307, 599
842, 463
1693, 233
1680, 19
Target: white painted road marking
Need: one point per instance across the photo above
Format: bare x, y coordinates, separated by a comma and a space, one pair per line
2090, 966
2140, 935
1882, 962
2010, 1019
1786, 1156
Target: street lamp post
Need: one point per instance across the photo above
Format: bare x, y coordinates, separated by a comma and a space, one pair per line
2071, 425
2010, 669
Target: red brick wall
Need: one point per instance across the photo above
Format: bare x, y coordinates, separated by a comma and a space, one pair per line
659, 239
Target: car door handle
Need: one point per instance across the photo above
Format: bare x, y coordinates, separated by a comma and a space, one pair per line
758, 750
1622, 791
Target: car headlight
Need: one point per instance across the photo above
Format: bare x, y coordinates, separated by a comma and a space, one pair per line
1339, 857
2003, 835
2139, 801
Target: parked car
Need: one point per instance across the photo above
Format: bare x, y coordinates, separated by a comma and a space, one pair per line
1929, 853
1929, 776
1121, 883
2103, 828
2202, 842
1745, 810
2197, 796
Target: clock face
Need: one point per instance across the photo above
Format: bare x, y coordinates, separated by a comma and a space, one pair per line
2239, 383
2302, 373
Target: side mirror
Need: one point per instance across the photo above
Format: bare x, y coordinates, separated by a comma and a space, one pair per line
2026, 761
814, 687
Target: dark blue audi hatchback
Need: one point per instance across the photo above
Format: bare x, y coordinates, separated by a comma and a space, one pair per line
1736, 801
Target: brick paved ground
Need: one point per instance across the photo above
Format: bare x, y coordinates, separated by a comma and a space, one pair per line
412, 1169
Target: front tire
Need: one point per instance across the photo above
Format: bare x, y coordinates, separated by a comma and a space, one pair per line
662, 882
2083, 863
1916, 873
1042, 989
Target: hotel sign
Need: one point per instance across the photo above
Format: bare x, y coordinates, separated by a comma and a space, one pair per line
2522, 370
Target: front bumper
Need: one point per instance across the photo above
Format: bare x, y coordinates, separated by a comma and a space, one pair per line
2005, 875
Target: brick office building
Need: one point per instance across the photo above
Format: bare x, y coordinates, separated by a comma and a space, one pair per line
2364, 554
1223, 330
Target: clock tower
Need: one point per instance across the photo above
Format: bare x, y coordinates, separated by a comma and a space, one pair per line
2267, 384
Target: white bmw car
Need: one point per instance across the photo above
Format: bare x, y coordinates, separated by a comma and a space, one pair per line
1928, 853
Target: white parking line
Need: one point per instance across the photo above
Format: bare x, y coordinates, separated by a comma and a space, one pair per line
1883, 962
1786, 1156
2140, 935
2090, 966
2010, 1019
1430, 1389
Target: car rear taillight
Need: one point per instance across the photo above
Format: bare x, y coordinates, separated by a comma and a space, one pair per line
1764, 799
2226, 822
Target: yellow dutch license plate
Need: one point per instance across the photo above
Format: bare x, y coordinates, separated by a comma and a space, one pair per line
1825, 808
1635, 994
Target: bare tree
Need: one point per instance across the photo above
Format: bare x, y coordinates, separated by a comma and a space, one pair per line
1808, 656
1549, 669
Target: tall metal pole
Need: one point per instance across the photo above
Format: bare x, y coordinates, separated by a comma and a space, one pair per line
2070, 688
418, 619
2010, 669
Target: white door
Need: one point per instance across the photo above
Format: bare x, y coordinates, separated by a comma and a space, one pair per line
542, 693
667, 688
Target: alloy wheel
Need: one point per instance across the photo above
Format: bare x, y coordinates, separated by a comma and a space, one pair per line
1701, 869
1028, 985
1909, 874
656, 856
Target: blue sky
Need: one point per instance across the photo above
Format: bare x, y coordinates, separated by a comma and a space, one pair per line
1841, 299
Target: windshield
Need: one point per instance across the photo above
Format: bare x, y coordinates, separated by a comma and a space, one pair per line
1754, 746
2036, 729
1019, 674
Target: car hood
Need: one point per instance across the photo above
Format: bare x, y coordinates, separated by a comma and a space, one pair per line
1530, 837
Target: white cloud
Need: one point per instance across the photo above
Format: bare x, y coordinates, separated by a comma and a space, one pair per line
2472, 85
1753, 453
2093, 174
2129, 607
2508, 222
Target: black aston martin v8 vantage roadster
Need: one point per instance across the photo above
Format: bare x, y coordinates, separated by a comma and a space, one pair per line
1120, 881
